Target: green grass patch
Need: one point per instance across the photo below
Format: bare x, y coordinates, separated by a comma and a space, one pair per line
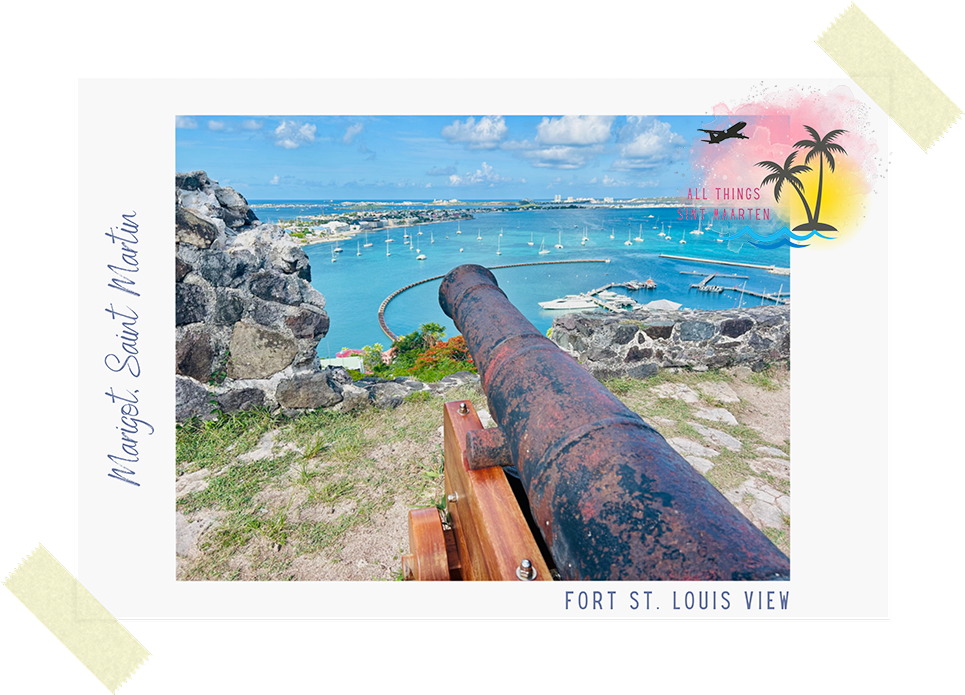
234, 488
216, 443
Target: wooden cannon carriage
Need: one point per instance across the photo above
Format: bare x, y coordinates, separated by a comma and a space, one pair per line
600, 494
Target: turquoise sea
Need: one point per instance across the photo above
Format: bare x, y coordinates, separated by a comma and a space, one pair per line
355, 285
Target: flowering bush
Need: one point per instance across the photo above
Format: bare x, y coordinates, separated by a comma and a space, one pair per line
453, 350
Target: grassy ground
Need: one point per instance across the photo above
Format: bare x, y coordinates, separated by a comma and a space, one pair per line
325, 496
321, 476
672, 417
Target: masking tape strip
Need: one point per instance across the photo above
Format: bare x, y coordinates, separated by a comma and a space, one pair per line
889, 77
76, 618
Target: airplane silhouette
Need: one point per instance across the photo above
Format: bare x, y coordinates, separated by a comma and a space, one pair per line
719, 135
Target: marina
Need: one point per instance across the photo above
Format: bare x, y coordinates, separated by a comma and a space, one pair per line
355, 287
602, 297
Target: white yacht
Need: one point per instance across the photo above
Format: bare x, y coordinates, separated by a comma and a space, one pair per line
570, 301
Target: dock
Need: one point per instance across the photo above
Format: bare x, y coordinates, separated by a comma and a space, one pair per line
779, 297
702, 286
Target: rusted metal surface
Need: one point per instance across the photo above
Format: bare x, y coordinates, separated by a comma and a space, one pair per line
612, 499
487, 448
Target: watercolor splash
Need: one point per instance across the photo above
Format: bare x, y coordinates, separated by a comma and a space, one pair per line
776, 121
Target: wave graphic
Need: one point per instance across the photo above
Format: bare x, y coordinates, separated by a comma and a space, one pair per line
782, 237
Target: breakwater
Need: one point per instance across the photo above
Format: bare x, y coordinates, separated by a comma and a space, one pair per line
776, 270
385, 303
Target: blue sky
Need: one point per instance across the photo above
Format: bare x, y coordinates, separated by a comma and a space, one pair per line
443, 157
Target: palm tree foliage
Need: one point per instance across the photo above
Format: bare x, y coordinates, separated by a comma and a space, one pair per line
788, 173
822, 148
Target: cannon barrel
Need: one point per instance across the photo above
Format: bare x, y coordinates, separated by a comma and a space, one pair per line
611, 498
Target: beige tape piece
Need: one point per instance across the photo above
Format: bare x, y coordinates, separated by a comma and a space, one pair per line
889, 77
76, 618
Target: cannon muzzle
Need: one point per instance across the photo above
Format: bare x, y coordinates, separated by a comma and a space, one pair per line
612, 499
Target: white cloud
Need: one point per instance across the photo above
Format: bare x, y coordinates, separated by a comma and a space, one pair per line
610, 181
646, 144
568, 142
562, 157
292, 134
216, 125
484, 174
351, 132
185, 122
574, 130
485, 134
251, 124
274, 180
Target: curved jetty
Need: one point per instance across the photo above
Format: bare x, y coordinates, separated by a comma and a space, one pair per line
393, 337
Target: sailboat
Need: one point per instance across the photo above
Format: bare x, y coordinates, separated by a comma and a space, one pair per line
542, 247
432, 239
387, 254
498, 252
458, 231
405, 233
661, 230
333, 254
639, 234
479, 235
583, 240
611, 233
559, 244
530, 242
387, 239
628, 242
367, 242
359, 248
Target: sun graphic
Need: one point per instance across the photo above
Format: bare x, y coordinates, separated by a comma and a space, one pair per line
843, 198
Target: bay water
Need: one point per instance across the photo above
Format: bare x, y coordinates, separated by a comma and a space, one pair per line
355, 285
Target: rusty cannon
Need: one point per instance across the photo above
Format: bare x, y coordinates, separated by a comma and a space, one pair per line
605, 496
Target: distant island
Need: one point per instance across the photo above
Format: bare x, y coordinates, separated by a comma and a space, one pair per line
372, 216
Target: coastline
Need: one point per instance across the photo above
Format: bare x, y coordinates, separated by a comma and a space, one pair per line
346, 236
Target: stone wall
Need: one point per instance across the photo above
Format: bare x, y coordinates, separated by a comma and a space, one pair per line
639, 343
247, 318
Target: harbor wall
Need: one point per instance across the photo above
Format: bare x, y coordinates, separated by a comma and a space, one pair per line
638, 344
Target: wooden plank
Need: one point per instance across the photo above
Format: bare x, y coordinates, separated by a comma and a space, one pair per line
427, 544
491, 532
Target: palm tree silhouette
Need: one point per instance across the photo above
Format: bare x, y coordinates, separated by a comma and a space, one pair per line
789, 174
822, 148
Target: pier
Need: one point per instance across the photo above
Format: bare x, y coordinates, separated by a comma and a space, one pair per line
769, 268
393, 337
702, 286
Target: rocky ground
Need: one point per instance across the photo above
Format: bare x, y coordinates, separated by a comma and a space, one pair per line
325, 496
